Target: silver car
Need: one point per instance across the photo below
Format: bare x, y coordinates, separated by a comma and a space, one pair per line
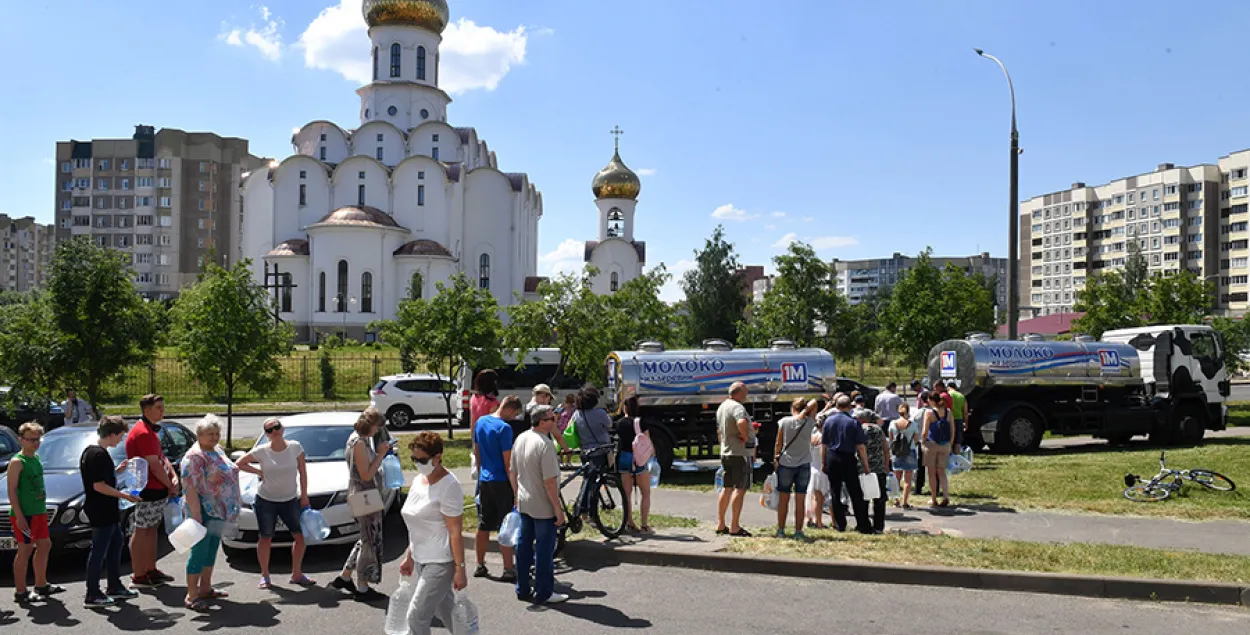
323, 436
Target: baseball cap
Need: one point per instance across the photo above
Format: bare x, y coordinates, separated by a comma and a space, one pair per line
542, 389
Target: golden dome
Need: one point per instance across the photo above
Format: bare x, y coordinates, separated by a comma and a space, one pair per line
427, 14
616, 181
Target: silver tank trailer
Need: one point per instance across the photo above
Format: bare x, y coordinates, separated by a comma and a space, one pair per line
986, 363
703, 376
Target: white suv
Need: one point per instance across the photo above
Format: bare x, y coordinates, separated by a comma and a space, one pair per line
405, 399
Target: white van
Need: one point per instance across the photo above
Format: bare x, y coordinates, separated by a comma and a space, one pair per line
540, 368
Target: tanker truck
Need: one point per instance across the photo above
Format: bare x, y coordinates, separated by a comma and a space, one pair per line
1166, 382
679, 390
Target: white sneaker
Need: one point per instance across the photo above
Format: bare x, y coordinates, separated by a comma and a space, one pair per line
557, 598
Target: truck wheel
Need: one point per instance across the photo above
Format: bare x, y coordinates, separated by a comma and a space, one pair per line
1191, 427
1019, 431
399, 416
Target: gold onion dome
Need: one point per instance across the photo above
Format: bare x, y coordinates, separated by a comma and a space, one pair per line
427, 14
616, 181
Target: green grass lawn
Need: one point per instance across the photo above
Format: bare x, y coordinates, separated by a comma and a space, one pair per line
1079, 558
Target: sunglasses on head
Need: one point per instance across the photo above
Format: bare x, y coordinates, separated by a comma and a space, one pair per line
273, 429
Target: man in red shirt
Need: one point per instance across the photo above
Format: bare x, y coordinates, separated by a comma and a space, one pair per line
144, 442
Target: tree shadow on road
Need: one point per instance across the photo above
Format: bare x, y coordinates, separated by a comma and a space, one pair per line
601, 614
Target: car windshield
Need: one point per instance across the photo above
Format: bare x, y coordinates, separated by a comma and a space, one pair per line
321, 443
62, 451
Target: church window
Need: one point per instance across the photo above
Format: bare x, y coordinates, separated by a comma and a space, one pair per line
303, 174
379, 153
360, 194
434, 154
380, 137
375, 71
395, 60
366, 292
341, 297
436, 68
420, 62
420, 195
483, 272
286, 293
303, 195
616, 222
321, 292
425, 114
421, 174
360, 175
392, 111
323, 136
323, 153
434, 138
616, 282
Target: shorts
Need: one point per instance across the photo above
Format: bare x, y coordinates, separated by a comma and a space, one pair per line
793, 478
149, 514
737, 471
905, 463
625, 464
268, 513
38, 525
935, 456
495, 500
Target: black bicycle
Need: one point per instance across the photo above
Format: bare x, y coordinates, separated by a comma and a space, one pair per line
607, 503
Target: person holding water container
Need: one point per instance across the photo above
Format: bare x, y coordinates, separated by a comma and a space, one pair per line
101, 502
435, 557
280, 466
211, 485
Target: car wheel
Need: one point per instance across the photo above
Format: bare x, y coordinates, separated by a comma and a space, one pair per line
400, 417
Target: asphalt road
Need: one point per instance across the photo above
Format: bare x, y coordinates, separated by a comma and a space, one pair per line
624, 597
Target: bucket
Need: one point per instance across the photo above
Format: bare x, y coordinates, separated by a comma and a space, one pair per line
187, 535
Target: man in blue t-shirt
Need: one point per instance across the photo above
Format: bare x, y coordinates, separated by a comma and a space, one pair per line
492, 444
843, 439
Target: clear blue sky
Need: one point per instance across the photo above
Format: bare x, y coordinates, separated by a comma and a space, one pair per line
867, 128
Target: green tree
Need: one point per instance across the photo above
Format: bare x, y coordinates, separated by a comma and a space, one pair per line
224, 330
102, 325
914, 320
1108, 303
803, 305
714, 297
968, 301
1180, 298
639, 313
1136, 269
459, 325
325, 366
1236, 336
29, 350
568, 315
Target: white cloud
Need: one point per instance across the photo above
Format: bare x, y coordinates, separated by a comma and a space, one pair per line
671, 291
472, 56
265, 39
568, 257
808, 219
778, 214
770, 227
729, 212
819, 243
646, 172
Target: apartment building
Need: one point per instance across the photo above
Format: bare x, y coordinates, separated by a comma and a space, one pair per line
1181, 218
168, 198
856, 279
26, 254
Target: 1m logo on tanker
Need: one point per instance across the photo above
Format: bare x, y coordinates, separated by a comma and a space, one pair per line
680, 370
1015, 356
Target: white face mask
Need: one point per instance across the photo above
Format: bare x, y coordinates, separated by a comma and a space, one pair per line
426, 469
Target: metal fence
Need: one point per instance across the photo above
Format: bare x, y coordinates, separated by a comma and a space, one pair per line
301, 380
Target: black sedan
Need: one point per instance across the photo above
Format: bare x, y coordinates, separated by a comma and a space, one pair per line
9, 445
60, 451
849, 386
12, 416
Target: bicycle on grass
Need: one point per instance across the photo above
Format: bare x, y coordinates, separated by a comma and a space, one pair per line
1169, 480
607, 503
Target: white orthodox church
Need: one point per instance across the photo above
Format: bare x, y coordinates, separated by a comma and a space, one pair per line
342, 225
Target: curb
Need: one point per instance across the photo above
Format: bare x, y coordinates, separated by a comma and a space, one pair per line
1051, 583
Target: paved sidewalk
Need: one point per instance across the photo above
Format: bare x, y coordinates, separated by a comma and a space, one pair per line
1220, 536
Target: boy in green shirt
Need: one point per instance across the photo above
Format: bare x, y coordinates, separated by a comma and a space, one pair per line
29, 516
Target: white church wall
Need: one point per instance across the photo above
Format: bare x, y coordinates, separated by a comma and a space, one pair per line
432, 219
346, 183
489, 225
308, 141
421, 141
614, 255
367, 139
290, 218
258, 221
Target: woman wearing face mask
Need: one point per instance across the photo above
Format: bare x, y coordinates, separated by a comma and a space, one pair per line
435, 556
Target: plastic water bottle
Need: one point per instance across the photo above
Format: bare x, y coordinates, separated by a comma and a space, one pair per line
313, 524
392, 472
136, 475
510, 530
719, 483
173, 514
124, 486
463, 616
397, 612
250, 488
846, 496
891, 485
653, 467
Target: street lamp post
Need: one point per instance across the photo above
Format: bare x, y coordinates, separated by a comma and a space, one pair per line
1013, 248
339, 301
